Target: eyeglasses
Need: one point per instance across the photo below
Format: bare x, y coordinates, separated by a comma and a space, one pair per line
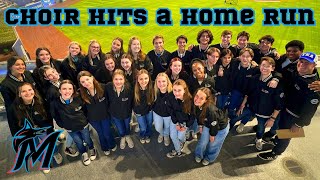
95, 47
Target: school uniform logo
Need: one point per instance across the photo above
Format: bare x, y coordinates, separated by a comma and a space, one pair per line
297, 87
125, 99
249, 75
207, 85
314, 101
102, 99
36, 113
78, 108
281, 95
265, 91
25, 145
214, 123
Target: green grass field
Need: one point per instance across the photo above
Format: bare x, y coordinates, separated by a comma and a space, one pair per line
308, 34
7, 36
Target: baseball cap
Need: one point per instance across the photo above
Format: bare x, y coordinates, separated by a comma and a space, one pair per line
309, 56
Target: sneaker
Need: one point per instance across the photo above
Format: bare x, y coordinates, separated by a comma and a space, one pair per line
137, 129
58, 158
122, 143
197, 159
205, 162
166, 141
107, 153
148, 140
85, 159
142, 140
71, 152
160, 138
240, 128
174, 153
46, 171
268, 156
114, 149
129, 141
259, 144
93, 154
182, 145
194, 135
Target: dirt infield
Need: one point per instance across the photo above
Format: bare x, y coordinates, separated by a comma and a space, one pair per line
49, 36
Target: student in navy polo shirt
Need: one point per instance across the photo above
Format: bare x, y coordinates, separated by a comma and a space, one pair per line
182, 53
226, 36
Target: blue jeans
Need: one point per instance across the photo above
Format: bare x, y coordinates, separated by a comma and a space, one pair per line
222, 101
193, 127
260, 126
82, 136
103, 129
245, 117
123, 125
275, 125
162, 124
235, 102
69, 140
177, 137
210, 150
145, 124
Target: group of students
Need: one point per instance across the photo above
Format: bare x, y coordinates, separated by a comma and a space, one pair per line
182, 93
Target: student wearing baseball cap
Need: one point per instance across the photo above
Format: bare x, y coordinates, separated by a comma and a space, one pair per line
301, 103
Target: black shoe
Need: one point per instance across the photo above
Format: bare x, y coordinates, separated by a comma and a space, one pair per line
268, 156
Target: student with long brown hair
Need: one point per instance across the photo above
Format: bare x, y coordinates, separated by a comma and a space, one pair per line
179, 104
104, 73
143, 102
94, 58
95, 99
213, 126
176, 71
117, 50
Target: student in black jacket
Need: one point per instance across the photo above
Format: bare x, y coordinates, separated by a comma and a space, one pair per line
16, 75
53, 80
179, 104
182, 53
301, 103
175, 70
204, 38
161, 116
143, 102
69, 112
213, 55
213, 126
117, 50
72, 64
265, 49
28, 105
159, 57
263, 102
243, 42
94, 60
43, 57
94, 96
104, 73
120, 98
226, 36
140, 59
129, 69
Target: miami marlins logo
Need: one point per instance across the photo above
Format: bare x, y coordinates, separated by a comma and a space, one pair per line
25, 145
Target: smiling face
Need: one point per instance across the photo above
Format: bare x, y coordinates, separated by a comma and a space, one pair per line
110, 65
143, 80
198, 70
305, 67
26, 93
74, 50
213, 58
225, 39
126, 64
44, 57
200, 98
181, 44
94, 49
245, 59
51, 75
18, 68
66, 90
178, 91
204, 38
266, 68
293, 53
116, 46
242, 41
226, 59
158, 44
86, 82
265, 45
135, 46
118, 81
176, 67
162, 83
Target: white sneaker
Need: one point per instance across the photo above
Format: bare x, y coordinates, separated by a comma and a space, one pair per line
160, 138
166, 140
93, 154
205, 162
259, 144
240, 128
46, 171
85, 159
114, 149
148, 140
137, 129
122, 143
129, 141
107, 153
197, 159
58, 158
